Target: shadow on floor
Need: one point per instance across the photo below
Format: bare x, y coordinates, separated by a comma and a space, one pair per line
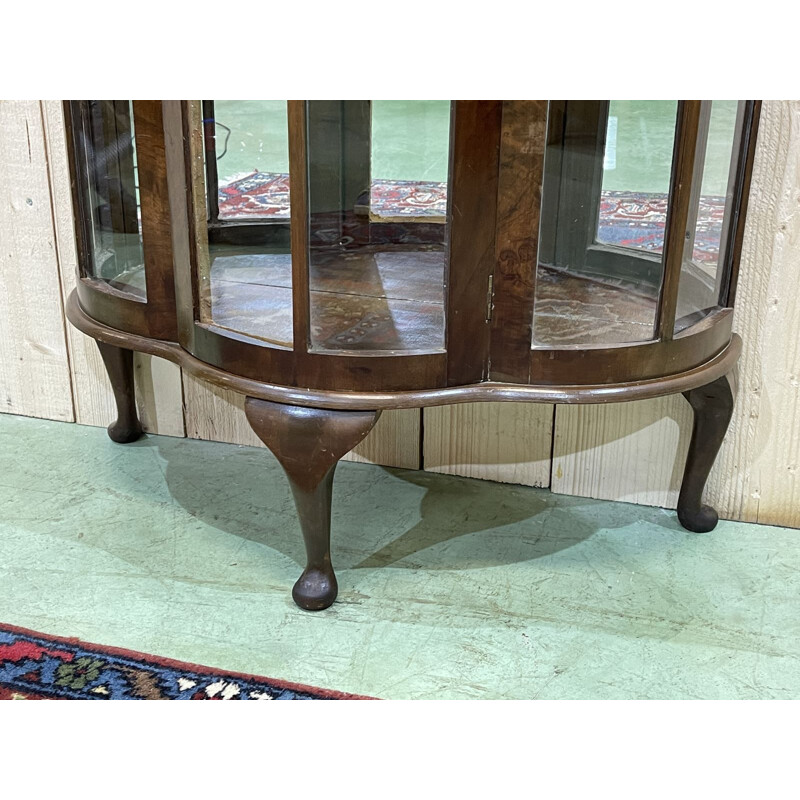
381, 516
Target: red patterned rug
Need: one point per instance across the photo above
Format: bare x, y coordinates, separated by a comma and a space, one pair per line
37, 666
627, 219
266, 194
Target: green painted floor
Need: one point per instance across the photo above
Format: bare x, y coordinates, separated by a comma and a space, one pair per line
450, 587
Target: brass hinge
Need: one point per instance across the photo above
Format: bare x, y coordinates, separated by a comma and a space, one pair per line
489, 299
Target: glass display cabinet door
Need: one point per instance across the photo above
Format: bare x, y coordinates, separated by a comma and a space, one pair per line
708, 252
120, 197
105, 135
376, 187
605, 197
632, 244
345, 244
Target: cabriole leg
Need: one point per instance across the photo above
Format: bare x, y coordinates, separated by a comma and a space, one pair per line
713, 407
119, 365
308, 443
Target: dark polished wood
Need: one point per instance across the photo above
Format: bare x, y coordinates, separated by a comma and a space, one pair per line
156, 221
521, 166
308, 443
471, 210
629, 362
713, 406
183, 245
212, 177
680, 197
741, 198
467, 296
119, 365
298, 186
486, 391
154, 316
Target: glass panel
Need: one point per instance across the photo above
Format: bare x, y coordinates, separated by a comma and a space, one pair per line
636, 172
109, 185
606, 181
410, 149
252, 158
246, 280
378, 177
712, 198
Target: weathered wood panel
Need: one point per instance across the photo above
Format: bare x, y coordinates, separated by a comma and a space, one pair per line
506, 442
635, 452
217, 414
158, 382
34, 366
623, 451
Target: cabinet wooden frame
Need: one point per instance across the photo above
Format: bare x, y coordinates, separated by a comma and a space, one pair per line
475, 148
514, 282
497, 149
154, 315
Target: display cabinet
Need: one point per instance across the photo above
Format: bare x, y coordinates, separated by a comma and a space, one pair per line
333, 259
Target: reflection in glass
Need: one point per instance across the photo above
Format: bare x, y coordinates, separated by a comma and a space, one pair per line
410, 151
251, 158
606, 180
636, 171
246, 273
109, 188
377, 177
716, 161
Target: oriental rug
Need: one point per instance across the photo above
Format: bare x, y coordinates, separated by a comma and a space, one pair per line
38, 666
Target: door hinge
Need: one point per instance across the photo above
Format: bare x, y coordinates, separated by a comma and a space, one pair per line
490, 299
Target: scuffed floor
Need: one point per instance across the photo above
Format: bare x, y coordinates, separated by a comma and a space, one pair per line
449, 587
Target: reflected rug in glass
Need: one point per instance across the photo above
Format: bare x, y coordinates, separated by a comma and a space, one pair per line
627, 219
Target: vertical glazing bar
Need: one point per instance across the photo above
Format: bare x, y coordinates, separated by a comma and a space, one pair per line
723, 261
201, 263
697, 176
74, 121
522, 147
472, 210
680, 195
212, 179
733, 249
184, 238
298, 190
148, 123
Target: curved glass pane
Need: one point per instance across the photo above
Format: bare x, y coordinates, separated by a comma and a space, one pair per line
716, 162
246, 272
604, 201
108, 188
377, 198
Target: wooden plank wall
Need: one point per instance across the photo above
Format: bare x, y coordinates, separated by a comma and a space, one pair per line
631, 451
34, 363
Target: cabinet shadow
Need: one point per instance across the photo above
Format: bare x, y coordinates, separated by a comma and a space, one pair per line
381, 516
